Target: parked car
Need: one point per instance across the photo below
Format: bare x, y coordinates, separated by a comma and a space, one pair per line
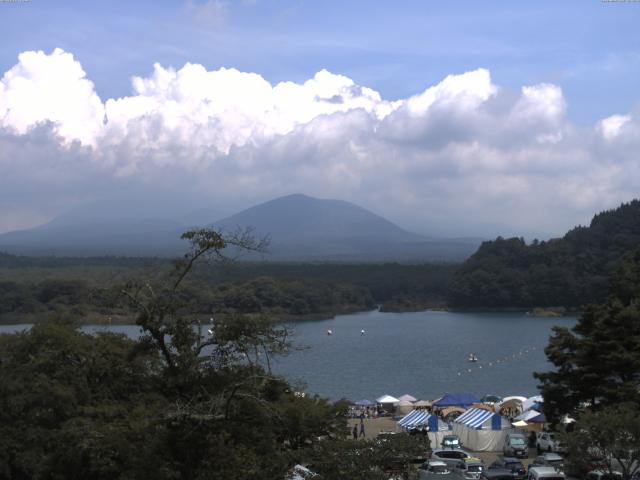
426, 475
470, 468
548, 459
451, 441
546, 442
512, 465
449, 456
496, 474
437, 467
602, 475
545, 473
515, 445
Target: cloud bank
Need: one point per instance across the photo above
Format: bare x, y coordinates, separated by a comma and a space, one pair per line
447, 160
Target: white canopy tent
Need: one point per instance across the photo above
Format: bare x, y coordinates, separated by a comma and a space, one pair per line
404, 407
407, 398
385, 399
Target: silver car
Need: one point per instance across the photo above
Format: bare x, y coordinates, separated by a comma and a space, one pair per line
450, 456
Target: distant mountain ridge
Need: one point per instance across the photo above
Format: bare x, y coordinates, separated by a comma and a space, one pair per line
570, 271
301, 228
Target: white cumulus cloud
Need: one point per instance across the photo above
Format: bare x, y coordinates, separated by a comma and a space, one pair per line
462, 152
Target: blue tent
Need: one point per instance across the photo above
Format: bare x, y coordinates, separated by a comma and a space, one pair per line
364, 403
540, 418
456, 400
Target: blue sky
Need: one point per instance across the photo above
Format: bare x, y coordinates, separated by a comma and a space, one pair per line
452, 118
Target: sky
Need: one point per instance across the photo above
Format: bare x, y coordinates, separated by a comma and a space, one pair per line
458, 118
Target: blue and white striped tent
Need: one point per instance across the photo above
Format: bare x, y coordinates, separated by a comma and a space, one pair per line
482, 431
418, 418
421, 418
480, 419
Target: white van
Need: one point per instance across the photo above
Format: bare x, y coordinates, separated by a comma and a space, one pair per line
545, 473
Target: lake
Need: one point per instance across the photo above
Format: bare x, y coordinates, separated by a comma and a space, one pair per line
423, 353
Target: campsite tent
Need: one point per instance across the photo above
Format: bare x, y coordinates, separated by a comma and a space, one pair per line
408, 398
481, 430
540, 418
526, 416
456, 400
449, 413
420, 419
483, 406
532, 403
403, 407
513, 405
387, 399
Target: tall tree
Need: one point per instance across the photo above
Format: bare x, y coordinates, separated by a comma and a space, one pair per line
608, 439
598, 361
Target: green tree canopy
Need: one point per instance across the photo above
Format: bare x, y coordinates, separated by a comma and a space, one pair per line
607, 438
597, 362
183, 401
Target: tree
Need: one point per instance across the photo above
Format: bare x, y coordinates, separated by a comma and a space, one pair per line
598, 361
184, 401
606, 438
365, 460
78, 406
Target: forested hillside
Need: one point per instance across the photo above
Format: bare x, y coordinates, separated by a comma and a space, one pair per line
569, 272
90, 288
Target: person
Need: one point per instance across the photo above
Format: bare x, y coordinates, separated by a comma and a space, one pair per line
355, 431
362, 428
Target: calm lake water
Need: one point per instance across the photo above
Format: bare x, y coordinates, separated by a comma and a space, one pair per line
423, 353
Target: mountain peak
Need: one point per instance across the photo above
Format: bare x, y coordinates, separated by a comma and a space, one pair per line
297, 216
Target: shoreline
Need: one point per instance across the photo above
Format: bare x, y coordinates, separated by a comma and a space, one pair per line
120, 319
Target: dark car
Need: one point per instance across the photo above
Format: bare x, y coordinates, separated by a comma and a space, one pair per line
515, 445
548, 459
436, 467
470, 468
496, 474
510, 464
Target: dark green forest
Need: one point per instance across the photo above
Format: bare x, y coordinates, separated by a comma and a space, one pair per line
571, 271
89, 288
568, 272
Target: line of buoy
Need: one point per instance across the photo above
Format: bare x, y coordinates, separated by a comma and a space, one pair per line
498, 360
362, 332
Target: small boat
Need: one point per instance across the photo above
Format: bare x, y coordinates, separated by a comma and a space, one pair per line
329, 332
472, 358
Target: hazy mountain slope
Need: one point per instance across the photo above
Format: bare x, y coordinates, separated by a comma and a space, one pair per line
127, 236
301, 228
